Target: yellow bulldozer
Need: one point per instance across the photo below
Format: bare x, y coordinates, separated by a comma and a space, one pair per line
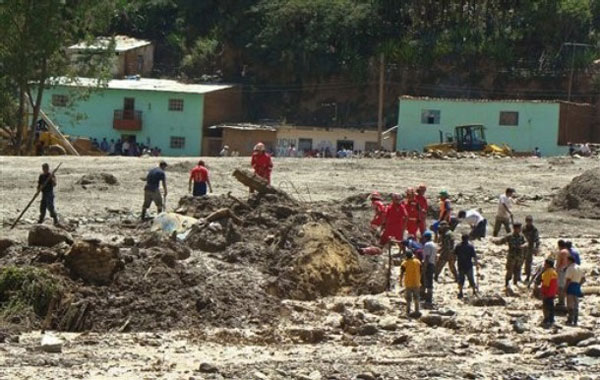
50, 141
467, 138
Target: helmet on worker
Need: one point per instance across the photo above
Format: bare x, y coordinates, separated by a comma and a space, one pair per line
375, 196
260, 147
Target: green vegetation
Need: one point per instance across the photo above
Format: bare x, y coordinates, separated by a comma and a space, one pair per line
26, 289
281, 50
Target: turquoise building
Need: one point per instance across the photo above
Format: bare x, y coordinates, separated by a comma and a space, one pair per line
155, 112
523, 125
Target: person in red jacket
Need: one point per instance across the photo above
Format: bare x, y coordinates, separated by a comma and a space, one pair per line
378, 208
395, 220
261, 162
413, 211
549, 290
423, 207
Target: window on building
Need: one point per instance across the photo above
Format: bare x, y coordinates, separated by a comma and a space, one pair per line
177, 142
430, 117
60, 100
371, 146
509, 118
175, 104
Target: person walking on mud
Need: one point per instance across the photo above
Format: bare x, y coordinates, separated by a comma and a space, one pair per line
411, 267
378, 209
394, 222
199, 177
446, 251
504, 215
46, 183
533, 243
549, 289
151, 190
514, 259
429, 260
423, 207
465, 255
261, 162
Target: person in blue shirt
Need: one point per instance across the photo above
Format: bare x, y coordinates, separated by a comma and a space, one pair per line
151, 190
573, 252
413, 245
465, 255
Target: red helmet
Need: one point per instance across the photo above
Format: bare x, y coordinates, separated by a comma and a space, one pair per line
375, 196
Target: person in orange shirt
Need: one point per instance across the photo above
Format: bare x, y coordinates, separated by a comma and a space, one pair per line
395, 221
445, 207
378, 208
549, 290
261, 162
411, 267
413, 212
423, 207
199, 177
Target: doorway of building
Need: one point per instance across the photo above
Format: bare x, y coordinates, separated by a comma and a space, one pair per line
345, 145
128, 108
305, 145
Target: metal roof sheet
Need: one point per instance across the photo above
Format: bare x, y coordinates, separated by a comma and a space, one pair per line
122, 43
144, 84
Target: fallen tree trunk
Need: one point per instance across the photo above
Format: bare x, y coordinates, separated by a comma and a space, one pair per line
222, 214
253, 181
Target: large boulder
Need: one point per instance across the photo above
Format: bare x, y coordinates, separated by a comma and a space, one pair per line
48, 236
93, 261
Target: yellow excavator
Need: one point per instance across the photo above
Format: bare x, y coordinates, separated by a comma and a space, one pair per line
50, 141
467, 138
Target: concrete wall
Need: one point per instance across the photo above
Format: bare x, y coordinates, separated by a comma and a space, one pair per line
323, 138
94, 117
128, 61
223, 107
576, 123
244, 140
537, 126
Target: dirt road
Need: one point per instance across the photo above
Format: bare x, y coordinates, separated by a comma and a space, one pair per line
366, 337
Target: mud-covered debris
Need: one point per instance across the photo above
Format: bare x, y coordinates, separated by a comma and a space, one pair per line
505, 346
307, 335
5, 244
47, 236
581, 196
97, 178
93, 261
572, 337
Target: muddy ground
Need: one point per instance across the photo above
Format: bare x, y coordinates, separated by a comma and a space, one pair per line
254, 332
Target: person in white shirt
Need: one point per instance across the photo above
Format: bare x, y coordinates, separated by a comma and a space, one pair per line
477, 222
573, 281
428, 267
504, 216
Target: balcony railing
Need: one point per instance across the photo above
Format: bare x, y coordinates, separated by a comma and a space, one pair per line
128, 120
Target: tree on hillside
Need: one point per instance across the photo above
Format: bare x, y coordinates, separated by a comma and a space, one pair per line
33, 46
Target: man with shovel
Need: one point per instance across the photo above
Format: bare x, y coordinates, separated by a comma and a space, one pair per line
46, 183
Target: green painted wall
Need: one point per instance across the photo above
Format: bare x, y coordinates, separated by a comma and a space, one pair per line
538, 123
93, 117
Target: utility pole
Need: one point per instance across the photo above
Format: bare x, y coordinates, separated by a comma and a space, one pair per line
574, 45
380, 113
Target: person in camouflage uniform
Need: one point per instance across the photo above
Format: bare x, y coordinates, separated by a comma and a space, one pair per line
446, 251
516, 253
533, 243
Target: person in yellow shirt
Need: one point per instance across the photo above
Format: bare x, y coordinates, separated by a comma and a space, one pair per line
410, 274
